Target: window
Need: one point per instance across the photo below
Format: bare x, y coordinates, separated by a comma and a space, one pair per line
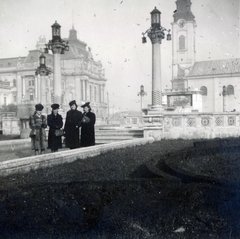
14, 83
181, 42
230, 90
31, 82
204, 90
31, 95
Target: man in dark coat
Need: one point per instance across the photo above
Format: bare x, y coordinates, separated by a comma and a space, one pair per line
71, 127
88, 122
54, 121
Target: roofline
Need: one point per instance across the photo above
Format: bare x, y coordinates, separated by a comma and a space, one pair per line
12, 58
215, 76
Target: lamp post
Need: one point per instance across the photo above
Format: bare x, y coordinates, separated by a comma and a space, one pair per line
141, 93
156, 34
57, 46
43, 71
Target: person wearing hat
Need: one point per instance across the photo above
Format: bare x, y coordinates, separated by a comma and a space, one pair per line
38, 124
55, 122
71, 127
87, 129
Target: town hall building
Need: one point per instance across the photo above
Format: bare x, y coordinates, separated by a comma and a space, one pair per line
83, 79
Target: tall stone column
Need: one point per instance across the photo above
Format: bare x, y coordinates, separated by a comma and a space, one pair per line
83, 89
19, 89
86, 90
156, 75
38, 96
77, 89
43, 96
153, 121
58, 46
36, 92
57, 79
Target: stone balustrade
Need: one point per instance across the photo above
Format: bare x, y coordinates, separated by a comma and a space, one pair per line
192, 125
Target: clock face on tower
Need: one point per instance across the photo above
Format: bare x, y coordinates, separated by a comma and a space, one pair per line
181, 23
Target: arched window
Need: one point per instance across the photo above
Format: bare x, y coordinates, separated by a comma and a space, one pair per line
181, 42
230, 90
204, 90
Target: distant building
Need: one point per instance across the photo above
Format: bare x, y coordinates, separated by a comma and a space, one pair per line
83, 79
217, 81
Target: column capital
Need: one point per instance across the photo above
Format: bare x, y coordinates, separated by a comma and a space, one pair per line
156, 36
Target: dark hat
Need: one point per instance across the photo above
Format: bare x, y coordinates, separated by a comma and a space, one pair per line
85, 104
55, 106
39, 107
73, 102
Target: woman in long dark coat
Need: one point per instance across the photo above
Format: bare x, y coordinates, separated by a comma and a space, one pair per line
38, 123
71, 127
54, 121
87, 129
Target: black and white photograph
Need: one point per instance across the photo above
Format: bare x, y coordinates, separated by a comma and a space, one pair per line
119, 119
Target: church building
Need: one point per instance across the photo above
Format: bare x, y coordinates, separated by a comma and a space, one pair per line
204, 86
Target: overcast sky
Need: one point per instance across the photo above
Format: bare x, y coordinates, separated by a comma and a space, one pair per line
113, 30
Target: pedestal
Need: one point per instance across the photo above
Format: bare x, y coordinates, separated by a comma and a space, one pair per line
153, 124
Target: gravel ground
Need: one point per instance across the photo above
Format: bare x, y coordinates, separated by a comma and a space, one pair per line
119, 195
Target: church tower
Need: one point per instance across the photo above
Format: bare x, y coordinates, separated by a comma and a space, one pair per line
183, 40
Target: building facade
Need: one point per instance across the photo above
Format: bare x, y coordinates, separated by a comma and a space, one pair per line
216, 80
83, 79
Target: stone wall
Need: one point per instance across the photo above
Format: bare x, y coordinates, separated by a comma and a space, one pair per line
192, 125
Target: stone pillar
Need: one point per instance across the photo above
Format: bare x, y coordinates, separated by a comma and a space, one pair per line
156, 38
43, 97
35, 89
23, 87
38, 80
86, 90
19, 89
156, 76
57, 80
77, 89
83, 90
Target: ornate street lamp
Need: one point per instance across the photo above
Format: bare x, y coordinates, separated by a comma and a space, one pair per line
142, 93
43, 71
156, 33
58, 46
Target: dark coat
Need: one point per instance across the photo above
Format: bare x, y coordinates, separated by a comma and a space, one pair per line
54, 122
88, 131
71, 128
37, 125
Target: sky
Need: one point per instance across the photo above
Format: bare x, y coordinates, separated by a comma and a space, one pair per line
113, 30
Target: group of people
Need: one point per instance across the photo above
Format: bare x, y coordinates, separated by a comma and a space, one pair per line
76, 121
